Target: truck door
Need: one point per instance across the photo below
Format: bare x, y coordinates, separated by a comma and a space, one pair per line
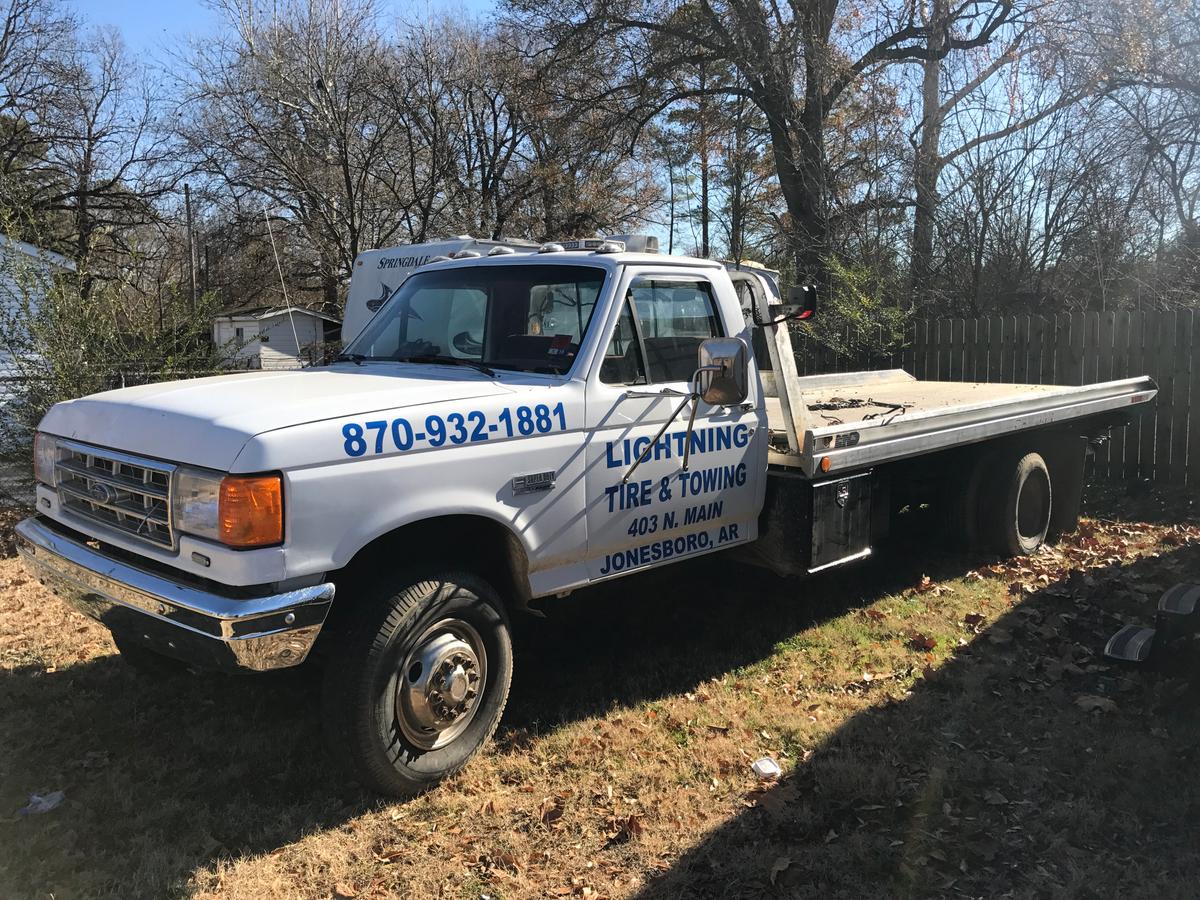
662, 512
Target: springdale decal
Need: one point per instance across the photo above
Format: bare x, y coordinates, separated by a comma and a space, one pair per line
402, 262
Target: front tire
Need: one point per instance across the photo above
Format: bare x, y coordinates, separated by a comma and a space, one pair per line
419, 681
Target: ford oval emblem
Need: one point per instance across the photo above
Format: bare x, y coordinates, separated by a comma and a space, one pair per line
102, 492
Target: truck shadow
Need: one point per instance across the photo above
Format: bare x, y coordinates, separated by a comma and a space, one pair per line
670, 629
199, 768
187, 768
1025, 767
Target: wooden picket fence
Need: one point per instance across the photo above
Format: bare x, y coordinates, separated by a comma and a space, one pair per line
1079, 348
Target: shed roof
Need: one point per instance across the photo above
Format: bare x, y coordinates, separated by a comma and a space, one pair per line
55, 259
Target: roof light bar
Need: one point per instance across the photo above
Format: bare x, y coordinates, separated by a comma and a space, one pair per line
501, 250
583, 244
465, 254
551, 247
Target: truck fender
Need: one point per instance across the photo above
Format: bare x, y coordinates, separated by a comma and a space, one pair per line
469, 540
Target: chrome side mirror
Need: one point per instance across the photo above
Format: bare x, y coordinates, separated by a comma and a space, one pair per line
723, 372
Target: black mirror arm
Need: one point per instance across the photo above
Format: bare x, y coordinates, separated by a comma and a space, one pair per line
790, 317
692, 398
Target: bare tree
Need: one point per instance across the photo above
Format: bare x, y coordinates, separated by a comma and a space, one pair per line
792, 61
285, 113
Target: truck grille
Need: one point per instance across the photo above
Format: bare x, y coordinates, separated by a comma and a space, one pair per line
126, 493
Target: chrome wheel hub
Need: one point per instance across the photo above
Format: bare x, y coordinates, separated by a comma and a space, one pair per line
440, 684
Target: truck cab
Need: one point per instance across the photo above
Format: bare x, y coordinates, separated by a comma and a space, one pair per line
505, 427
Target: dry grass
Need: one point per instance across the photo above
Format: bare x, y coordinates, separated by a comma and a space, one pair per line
931, 734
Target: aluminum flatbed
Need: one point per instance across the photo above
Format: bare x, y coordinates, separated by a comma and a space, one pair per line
860, 419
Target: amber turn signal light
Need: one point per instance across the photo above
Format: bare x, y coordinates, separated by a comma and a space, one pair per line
250, 511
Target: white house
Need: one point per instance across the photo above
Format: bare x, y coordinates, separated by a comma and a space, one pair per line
25, 273
270, 337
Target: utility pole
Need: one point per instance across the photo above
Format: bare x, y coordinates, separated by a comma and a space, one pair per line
191, 241
702, 108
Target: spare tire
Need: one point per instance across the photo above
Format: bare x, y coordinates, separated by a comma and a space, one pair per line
1021, 504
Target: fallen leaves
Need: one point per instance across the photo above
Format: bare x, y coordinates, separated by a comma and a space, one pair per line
1093, 703
624, 828
928, 586
550, 810
973, 622
779, 867
919, 641
545, 803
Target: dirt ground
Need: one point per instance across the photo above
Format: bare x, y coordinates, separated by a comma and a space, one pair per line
946, 726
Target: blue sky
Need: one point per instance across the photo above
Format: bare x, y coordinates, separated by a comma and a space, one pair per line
150, 25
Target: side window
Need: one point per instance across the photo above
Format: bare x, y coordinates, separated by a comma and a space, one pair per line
675, 317
623, 358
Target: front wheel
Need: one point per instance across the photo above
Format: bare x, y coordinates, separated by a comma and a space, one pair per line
419, 682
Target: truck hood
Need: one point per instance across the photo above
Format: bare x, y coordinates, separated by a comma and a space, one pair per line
207, 421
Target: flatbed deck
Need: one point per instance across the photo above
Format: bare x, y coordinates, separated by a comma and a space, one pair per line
860, 419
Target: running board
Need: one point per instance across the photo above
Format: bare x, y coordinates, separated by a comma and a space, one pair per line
1180, 605
1132, 644
1178, 615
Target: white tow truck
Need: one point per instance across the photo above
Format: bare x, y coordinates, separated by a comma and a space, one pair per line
513, 424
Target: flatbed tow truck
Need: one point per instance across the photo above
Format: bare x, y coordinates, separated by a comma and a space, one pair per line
513, 423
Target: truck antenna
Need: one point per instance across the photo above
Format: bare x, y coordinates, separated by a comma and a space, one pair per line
279, 268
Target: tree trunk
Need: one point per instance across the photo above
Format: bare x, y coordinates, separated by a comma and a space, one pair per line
928, 160
329, 293
810, 223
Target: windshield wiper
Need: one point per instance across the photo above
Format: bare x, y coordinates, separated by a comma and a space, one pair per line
450, 361
356, 358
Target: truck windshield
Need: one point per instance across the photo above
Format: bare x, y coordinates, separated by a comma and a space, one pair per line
526, 318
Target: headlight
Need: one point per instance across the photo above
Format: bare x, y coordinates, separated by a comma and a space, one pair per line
197, 496
237, 510
45, 457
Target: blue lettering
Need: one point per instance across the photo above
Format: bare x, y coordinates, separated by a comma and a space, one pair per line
611, 460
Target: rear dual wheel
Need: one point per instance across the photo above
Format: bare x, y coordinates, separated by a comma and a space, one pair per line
1018, 504
1003, 504
419, 682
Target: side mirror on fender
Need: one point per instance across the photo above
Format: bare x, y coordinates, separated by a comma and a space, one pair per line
723, 371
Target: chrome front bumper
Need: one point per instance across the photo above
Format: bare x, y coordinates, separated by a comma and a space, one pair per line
170, 615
